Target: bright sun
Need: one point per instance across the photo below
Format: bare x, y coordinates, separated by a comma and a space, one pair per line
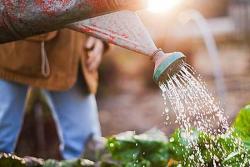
157, 6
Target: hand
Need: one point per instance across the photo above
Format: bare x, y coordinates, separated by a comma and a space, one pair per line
94, 48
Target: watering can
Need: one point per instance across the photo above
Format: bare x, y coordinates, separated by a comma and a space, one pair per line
24, 18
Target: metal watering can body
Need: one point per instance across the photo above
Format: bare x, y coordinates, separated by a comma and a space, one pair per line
24, 18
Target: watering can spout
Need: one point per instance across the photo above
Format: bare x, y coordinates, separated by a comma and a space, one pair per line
166, 65
125, 29
21, 19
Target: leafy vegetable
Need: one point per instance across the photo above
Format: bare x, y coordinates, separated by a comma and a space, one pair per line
201, 149
9, 160
242, 125
68, 163
145, 150
193, 148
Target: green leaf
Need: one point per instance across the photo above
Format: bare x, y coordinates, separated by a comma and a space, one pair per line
242, 125
197, 148
178, 145
144, 150
10, 160
51, 163
68, 163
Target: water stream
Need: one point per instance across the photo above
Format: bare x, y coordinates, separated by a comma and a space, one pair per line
186, 95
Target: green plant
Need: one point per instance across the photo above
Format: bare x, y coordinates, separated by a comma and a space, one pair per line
192, 148
145, 150
208, 150
242, 125
9, 160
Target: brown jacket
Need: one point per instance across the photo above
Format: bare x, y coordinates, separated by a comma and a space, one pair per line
23, 61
